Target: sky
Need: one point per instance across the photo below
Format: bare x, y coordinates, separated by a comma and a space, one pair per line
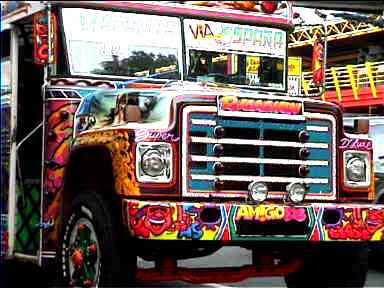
309, 16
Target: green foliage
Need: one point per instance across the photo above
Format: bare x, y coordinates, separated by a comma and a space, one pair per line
137, 62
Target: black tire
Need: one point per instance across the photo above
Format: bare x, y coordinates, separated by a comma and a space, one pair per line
332, 267
379, 193
90, 218
376, 254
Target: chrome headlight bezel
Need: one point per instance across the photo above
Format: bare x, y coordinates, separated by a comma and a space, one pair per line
160, 150
353, 156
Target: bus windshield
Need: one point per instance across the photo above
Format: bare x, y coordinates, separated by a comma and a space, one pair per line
122, 44
135, 45
235, 54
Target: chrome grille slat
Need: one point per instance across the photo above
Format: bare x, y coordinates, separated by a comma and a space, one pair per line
196, 139
258, 160
241, 178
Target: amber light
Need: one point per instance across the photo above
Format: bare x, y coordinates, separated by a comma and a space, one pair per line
269, 6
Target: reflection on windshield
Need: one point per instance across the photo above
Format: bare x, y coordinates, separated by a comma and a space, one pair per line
237, 69
141, 64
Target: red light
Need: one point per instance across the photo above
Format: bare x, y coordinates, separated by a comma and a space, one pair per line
269, 6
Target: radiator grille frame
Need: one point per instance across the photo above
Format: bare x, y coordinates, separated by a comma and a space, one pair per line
186, 155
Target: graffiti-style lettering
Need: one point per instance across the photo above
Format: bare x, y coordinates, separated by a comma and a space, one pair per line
264, 213
233, 103
296, 214
260, 213
358, 144
142, 135
201, 31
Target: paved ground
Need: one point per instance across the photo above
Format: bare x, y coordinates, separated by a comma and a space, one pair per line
231, 256
27, 275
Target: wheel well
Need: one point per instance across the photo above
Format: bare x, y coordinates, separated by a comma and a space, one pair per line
89, 170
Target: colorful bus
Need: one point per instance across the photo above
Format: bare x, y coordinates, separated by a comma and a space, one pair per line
164, 130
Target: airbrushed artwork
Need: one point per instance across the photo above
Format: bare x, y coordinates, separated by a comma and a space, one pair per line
189, 221
60, 121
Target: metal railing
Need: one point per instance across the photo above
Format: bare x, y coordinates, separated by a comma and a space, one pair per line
353, 77
336, 30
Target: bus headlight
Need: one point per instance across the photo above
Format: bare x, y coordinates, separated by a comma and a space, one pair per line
356, 169
154, 162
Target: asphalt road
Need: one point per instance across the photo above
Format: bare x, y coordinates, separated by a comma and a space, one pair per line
232, 256
27, 275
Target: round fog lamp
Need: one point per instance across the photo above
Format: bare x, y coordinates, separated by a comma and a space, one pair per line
258, 191
296, 192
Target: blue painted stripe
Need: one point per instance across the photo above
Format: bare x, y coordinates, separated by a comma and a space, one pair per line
201, 185
208, 170
319, 188
314, 172
261, 125
319, 171
199, 128
319, 137
315, 154
319, 154
203, 116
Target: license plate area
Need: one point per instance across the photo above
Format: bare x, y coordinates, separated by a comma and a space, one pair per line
271, 228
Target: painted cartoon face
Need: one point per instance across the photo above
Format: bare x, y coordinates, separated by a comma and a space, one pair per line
158, 219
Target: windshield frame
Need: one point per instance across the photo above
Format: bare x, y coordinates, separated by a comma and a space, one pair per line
182, 51
67, 46
284, 56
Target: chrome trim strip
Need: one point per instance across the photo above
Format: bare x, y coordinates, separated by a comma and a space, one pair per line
317, 128
307, 116
261, 115
257, 142
198, 158
242, 178
185, 131
203, 122
333, 148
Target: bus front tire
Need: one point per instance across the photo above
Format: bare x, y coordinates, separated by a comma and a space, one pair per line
90, 253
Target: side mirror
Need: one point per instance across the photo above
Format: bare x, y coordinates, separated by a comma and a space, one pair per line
361, 126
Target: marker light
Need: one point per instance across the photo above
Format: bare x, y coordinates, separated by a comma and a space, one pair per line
269, 6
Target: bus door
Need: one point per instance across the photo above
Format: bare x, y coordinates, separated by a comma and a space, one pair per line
25, 139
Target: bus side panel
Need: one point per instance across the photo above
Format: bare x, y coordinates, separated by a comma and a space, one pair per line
59, 123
